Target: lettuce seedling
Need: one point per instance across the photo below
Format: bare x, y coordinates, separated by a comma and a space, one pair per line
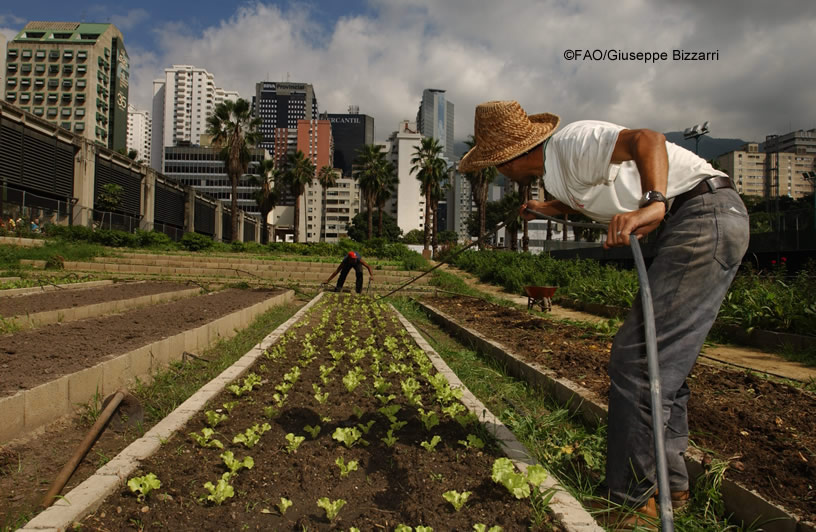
283, 505
143, 485
431, 446
221, 491
332, 508
397, 425
389, 439
204, 440
390, 412
453, 409
473, 441
456, 499
353, 378
270, 412
505, 474
346, 468
349, 436
214, 418
367, 427
252, 435
312, 431
385, 399
479, 527
294, 442
229, 406
429, 419
381, 385
236, 465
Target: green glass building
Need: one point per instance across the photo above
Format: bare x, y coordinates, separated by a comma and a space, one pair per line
73, 74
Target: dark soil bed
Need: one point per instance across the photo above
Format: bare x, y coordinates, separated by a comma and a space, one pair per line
768, 428
63, 299
400, 484
33, 357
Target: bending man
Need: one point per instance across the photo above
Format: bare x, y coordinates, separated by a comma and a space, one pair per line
633, 180
352, 260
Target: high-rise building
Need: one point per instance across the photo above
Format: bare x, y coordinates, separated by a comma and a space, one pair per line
351, 132
435, 119
407, 206
182, 102
280, 105
801, 142
770, 174
202, 168
139, 133
73, 74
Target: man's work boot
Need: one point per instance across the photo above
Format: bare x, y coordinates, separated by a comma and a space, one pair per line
679, 499
624, 519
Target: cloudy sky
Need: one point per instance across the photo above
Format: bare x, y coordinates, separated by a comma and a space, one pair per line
381, 54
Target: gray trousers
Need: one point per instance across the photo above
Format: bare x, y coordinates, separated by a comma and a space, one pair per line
699, 252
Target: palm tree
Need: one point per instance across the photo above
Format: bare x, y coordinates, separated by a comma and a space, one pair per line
388, 181
234, 129
438, 190
425, 163
479, 186
327, 177
369, 165
268, 193
298, 174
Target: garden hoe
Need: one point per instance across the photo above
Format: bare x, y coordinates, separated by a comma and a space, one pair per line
120, 410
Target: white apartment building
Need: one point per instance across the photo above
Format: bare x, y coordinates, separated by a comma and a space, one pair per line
182, 101
408, 204
139, 133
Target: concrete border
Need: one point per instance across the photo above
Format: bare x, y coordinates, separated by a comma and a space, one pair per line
50, 288
31, 409
22, 242
566, 509
746, 505
90, 494
38, 319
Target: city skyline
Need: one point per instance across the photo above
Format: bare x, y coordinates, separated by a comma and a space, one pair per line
381, 55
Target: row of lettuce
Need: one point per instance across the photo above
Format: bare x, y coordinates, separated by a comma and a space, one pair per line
771, 300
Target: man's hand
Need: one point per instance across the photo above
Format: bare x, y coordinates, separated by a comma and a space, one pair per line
640, 222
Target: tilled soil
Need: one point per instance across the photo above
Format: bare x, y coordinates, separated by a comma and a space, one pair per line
400, 483
30, 358
63, 299
767, 428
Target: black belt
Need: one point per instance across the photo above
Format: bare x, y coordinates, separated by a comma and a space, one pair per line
709, 184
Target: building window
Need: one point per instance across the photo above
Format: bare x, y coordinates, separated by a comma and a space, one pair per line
12, 68
11, 96
25, 68
67, 55
66, 97
12, 53
81, 69
53, 83
39, 97
66, 111
80, 112
80, 84
39, 69
67, 70
82, 55
53, 69
24, 97
79, 126
26, 54
25, 83
39, 83
53, 55
52, 97
40, 54
38, 111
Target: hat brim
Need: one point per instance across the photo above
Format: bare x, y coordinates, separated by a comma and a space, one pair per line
543, 127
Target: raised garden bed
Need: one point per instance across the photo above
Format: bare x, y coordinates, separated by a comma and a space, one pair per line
350, 368
33, 357
63, 299
765, 428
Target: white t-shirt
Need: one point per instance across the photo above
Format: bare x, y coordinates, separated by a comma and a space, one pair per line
578, 172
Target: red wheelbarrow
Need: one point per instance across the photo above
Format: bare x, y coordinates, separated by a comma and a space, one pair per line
541, 296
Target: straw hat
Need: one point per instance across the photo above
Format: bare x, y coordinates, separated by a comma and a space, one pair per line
503, 131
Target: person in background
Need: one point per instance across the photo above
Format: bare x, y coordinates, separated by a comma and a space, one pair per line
351, 260
633, 180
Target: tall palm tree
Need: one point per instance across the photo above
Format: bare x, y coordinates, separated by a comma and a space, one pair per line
440, 186
425, 163
479, 186
368, 171
234, 129
388, 182
268, 193
298, 174
327, 177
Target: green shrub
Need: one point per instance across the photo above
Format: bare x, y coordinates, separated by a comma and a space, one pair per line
196, 242
150, 239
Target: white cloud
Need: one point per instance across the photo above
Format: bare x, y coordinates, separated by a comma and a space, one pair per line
130, 20
763, 81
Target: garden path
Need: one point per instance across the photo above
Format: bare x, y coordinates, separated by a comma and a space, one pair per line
745, 357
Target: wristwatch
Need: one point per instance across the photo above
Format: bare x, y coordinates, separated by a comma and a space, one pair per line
651, 197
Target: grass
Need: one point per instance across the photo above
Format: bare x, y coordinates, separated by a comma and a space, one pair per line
567, 448
72, 251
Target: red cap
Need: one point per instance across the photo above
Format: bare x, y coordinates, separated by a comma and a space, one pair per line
353, 255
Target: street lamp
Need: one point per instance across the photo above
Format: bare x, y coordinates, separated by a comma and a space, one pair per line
695, 132
811, 176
